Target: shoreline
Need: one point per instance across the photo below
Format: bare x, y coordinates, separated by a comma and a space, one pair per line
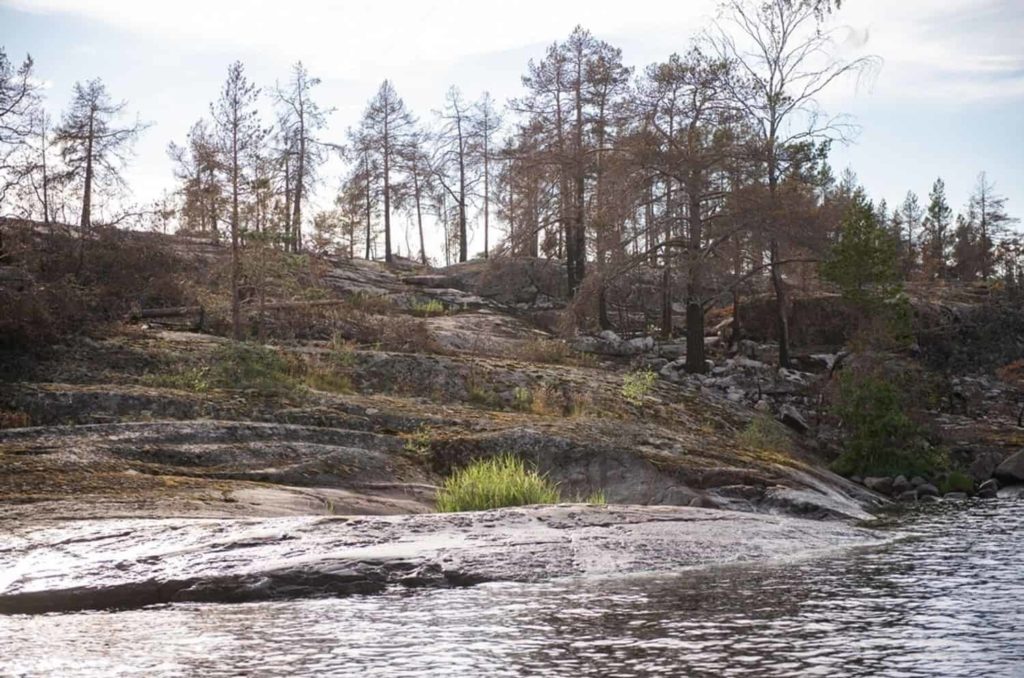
132, 563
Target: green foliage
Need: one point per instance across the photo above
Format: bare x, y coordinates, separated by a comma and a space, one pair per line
957, 481
428, 309
865, 263
880, 438
596, 498
192, 379
493, 483
417, 443
636, 385
249, 366
766, 434
522, 399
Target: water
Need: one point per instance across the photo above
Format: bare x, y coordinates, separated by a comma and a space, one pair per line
949, 602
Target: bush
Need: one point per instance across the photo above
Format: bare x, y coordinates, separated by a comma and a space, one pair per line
14, 419
543, 351
249, 366
192, 379
428, 309
880, 438
493, 483
957, 481
766, 434
636, 385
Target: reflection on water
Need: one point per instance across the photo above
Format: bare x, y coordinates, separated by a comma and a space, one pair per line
950, 603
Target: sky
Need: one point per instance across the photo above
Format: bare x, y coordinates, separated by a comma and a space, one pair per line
948, 100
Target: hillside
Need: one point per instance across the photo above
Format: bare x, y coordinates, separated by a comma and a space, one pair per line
363, 386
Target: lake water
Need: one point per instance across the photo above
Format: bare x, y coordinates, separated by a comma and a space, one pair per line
948, 602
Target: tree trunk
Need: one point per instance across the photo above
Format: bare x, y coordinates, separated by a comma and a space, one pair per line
369, 207
287, 199
666, 273
236, 314
296, 235
387, 193
780, 305
87, 188
695, 283
487, 192
776, 275
419, 216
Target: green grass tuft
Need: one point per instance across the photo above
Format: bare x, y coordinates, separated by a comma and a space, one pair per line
636, 385
493, 483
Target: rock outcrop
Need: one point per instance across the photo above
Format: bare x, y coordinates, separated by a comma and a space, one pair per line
132, 563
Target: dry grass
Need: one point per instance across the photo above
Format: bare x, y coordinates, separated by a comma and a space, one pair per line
14, 419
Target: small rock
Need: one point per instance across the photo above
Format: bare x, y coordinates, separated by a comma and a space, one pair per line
990, 484
859, 480
918, 481
988, 493
928, 490
908, 496
882, 485
928, 499
703, 501
955, 496
763, 406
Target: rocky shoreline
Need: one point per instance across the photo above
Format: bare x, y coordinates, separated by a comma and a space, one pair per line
116, 564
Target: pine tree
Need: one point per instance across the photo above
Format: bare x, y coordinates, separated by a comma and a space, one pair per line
936, 224
864, 264
238, 130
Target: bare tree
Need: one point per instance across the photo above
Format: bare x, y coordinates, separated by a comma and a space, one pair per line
690, 135
421, 177
787, 59
238, 130
93, 148
993, 221
18, 101
453, 163
486, 122
301, 119
386, 131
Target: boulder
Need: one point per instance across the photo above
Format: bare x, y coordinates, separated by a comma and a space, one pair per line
792, 418
989, 489
900, 484
928, 490
983, 463
1012, 469
882, 485
918, 481
639, 345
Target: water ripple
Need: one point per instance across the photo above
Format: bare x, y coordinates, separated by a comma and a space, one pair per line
949, 602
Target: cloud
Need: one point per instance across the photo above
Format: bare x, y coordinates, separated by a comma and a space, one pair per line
347, 37
954, 50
